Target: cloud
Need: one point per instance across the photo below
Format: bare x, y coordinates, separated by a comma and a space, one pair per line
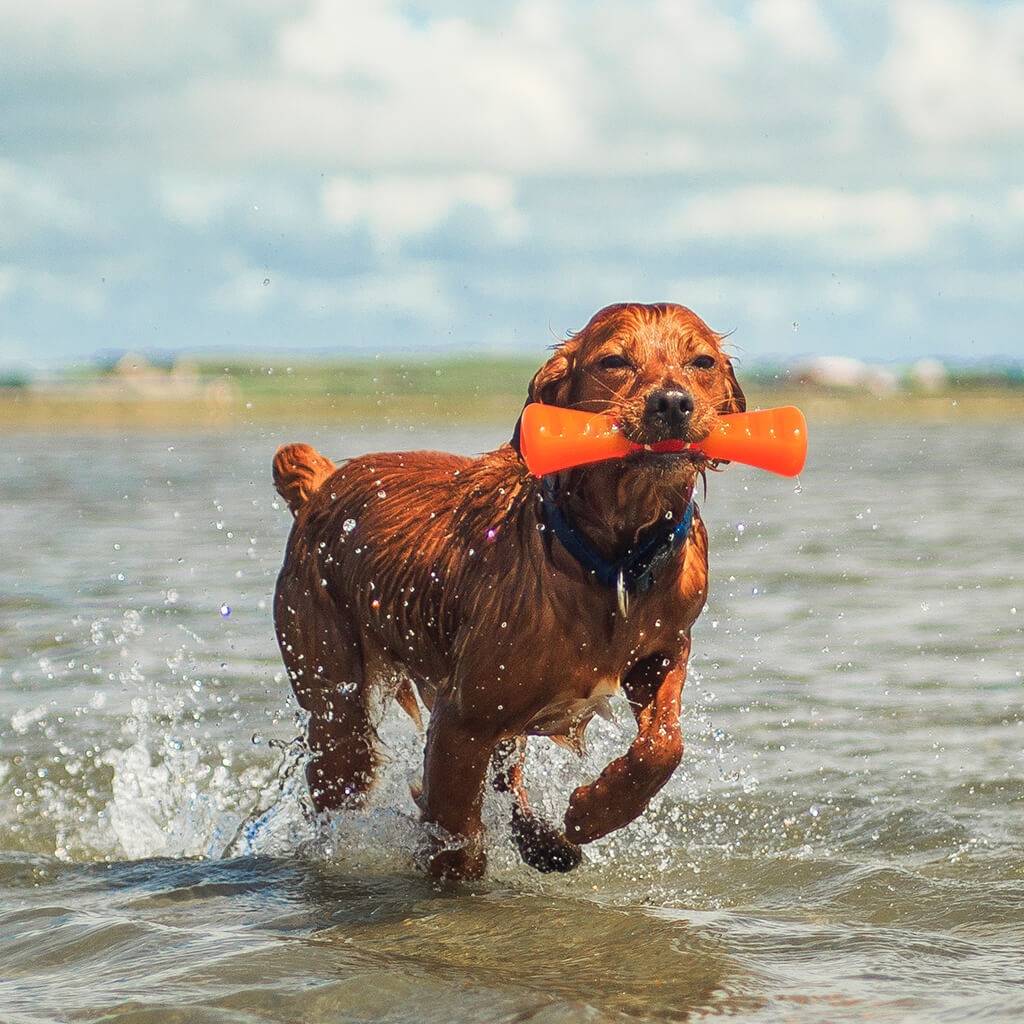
417, 291
246, 290
206, 203
876, 224
527, 89
796, 29
30, 203
361, 86
524, 89
54, 291
198, 203
395, 206
955, 73
116, 40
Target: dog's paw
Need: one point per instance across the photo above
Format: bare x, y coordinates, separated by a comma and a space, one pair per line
451, 858
542, 847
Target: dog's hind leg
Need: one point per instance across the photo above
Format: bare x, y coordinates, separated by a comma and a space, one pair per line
326, 665
540, 845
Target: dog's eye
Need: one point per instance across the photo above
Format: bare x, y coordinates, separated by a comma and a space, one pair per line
615, 363
704, 363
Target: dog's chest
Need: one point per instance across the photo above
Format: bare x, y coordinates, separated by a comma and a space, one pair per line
583, 686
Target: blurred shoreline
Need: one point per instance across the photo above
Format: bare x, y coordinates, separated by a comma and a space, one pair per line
135, 395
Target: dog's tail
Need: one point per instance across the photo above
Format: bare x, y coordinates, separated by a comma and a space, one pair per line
299, 470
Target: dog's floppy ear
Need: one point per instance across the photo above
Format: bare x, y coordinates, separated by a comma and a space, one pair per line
735, 401
550, 384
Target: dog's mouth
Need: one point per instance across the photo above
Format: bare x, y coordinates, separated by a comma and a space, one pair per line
654, 441
666, 453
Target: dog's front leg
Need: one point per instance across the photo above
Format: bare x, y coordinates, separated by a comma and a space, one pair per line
625, 787
455, 767
542, 847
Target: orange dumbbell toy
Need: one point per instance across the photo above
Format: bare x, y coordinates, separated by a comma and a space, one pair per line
552, 439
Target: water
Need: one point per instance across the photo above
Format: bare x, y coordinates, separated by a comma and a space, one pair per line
844, 840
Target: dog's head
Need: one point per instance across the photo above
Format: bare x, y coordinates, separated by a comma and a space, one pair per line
658, 370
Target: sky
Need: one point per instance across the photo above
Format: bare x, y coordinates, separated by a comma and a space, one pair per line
817, 177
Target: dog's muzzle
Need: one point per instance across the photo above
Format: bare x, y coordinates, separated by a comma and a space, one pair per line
667, 412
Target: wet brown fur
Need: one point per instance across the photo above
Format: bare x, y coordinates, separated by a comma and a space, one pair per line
432, 571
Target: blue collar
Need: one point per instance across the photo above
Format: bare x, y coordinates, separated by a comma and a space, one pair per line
636, 570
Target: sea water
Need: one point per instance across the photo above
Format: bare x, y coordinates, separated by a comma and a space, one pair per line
844, 840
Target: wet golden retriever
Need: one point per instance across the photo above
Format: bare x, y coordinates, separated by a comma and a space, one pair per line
513, 606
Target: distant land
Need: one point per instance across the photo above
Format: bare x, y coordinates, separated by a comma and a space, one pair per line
136, 391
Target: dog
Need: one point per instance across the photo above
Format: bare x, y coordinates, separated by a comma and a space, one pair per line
512, 606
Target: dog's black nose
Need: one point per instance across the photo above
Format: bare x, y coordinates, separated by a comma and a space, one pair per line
670, 408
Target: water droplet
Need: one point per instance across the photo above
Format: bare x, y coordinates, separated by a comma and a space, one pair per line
225, 610
349, 525
382, 494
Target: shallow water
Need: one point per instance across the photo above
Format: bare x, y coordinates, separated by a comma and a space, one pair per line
844, 840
